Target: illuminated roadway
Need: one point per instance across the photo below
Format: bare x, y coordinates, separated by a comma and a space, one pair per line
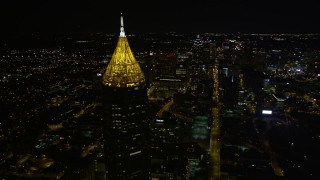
166, 107
215, 129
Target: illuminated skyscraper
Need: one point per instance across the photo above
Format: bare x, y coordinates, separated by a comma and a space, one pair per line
126, 123
197, 50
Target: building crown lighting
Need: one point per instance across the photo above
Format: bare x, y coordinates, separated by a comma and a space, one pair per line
123, 70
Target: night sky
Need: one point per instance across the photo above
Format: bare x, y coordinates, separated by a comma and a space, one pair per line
260, 16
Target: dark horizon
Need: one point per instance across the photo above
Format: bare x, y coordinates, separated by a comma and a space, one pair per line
215, 16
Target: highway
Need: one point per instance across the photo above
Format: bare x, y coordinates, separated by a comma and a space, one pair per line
166, 107
215, 143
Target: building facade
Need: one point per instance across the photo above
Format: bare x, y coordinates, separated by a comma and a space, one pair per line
126, 126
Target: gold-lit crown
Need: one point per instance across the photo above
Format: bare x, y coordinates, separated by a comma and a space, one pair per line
123, 70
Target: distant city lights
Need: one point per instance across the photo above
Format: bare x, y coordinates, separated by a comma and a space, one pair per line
266, 112
159, 120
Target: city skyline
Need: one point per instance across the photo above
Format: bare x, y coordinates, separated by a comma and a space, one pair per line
176, 106
212, 16
239, 102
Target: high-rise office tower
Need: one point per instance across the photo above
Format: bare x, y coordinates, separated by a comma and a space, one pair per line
197, 50
126, 125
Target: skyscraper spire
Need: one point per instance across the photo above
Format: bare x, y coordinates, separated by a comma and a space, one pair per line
122, 33
123, 70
